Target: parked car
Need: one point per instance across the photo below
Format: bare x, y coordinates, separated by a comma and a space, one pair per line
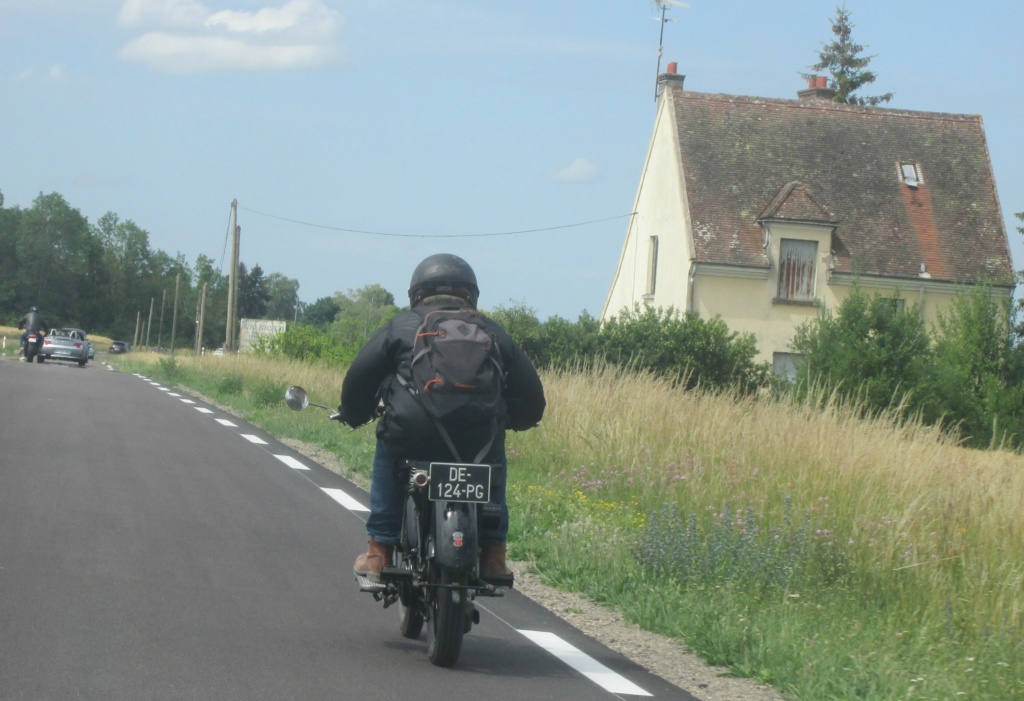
66, 344
119, 347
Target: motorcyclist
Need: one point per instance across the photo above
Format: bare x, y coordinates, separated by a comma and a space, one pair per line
32, 322
441, 281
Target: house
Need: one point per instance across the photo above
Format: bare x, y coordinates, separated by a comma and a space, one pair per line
761, 210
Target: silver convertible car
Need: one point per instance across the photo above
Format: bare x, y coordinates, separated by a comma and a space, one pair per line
66, 344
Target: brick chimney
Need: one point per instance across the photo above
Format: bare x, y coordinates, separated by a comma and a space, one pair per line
670, 78
817, 89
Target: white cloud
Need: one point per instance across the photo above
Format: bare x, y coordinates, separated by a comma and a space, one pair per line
309, 17
580, 170
57, 73
189, 38
175, 14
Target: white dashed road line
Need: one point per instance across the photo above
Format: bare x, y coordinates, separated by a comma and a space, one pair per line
291, 462
584, 664
344, 499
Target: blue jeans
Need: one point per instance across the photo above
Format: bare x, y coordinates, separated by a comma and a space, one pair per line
388, 491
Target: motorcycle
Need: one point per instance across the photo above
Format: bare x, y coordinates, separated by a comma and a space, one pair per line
434, 575
33, 344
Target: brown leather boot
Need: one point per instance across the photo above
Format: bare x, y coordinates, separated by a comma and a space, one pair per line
370, 563
492, 561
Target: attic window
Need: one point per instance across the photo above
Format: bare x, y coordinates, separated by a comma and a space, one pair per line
911, 174
796, 270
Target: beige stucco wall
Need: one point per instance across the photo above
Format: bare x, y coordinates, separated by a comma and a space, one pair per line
658, 211
748, 306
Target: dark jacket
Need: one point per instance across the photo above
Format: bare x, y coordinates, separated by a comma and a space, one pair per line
33, 322
370, 379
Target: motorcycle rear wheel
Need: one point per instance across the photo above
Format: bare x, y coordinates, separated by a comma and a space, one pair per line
410, 599
447, 622
410, 622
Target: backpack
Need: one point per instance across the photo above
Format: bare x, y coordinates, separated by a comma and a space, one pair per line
456, 377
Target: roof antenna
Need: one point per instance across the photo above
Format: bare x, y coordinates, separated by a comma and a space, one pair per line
663, 6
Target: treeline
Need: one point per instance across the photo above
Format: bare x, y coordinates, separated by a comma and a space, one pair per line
105, 278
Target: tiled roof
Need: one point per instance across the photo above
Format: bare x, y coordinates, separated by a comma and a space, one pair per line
746, 159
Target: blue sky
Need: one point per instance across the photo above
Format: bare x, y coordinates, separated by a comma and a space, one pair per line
325, 118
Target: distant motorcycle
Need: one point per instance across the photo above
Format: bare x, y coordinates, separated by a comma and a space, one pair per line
33, 344
434, 575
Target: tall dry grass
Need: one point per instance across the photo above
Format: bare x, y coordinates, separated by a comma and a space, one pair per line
904, 500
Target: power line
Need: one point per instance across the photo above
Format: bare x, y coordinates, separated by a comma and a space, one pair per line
434, 236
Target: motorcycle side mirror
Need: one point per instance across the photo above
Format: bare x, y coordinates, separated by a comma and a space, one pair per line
296, 398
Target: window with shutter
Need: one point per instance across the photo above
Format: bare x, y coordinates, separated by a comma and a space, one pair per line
796, 269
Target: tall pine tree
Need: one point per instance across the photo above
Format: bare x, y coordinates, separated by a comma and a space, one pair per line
842, 59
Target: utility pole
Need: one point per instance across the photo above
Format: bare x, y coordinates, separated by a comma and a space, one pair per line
135, 338
160, 331
236, 234
149, 324
174, 317
202, 315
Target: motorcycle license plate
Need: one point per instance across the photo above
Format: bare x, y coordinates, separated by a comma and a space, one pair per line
459, 482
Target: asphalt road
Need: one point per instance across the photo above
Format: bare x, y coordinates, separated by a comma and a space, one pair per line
152, 547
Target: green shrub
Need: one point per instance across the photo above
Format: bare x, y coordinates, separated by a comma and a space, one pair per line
869, 349
264, 393
230, 384
698, 351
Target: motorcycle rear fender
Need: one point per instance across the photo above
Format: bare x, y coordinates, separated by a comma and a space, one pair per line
457, 538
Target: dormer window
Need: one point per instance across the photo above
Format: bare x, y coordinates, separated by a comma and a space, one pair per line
797, 270
911, 174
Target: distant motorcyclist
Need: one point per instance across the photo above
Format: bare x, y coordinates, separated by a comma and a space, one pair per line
32, 322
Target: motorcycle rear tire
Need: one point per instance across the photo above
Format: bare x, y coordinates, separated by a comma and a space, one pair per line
410, 599
410, 622
447, 622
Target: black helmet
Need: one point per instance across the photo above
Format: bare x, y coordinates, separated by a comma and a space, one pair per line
446, 274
